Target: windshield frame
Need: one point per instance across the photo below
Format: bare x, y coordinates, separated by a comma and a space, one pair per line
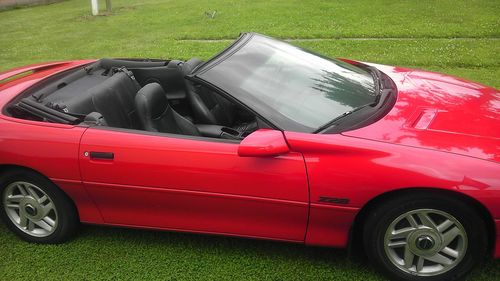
343, 117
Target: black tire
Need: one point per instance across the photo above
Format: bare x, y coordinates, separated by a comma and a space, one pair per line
67, 217
380, 219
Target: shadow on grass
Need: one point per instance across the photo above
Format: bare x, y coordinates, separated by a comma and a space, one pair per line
207, 243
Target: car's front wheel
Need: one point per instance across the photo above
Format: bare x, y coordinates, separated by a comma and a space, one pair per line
35, 209
424, 237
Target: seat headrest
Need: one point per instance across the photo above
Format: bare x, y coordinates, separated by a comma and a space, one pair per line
152, 100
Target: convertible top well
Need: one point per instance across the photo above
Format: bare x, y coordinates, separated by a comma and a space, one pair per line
105, 93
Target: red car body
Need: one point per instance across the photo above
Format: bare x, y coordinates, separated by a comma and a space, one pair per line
443, 134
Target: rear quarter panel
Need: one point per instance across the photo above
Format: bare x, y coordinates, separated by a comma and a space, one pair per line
49, 149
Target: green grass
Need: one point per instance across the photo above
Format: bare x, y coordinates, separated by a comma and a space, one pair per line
125, 254
425, 31
455, 37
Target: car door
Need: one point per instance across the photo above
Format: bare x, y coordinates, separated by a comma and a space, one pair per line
168, 181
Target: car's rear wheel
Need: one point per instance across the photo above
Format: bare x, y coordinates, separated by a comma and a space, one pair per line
423, 237
35, 209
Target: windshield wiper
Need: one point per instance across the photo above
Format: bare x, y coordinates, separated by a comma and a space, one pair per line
347, 113
377, 79
378, 96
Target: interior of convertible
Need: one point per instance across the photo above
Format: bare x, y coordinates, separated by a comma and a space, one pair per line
150, 95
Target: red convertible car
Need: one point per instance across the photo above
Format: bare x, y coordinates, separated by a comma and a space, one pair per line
264, 140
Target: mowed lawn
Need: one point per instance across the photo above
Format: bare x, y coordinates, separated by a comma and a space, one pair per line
456, 37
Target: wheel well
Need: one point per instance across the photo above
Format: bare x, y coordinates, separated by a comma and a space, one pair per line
4, 168
356, 241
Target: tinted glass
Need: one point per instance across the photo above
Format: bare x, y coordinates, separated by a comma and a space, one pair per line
293, 88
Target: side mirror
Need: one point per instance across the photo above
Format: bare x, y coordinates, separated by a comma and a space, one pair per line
263, 143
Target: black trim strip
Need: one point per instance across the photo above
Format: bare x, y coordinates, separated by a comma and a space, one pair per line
228, 51
160, 134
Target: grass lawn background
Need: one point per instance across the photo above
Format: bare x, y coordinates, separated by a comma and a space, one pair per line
456, 37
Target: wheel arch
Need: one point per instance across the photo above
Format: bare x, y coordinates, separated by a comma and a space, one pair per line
4, 168
356, 232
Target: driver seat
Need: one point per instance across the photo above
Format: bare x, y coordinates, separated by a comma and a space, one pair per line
156, 115
208, 107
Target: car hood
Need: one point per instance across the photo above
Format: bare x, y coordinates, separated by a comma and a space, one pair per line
440, 112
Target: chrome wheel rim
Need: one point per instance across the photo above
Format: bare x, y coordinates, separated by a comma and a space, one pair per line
425, 242
30, 209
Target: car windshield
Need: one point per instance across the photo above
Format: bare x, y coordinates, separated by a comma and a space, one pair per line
295, 89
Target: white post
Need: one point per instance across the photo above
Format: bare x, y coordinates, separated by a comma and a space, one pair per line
95, 7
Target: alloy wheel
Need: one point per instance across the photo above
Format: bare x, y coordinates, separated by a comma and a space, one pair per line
425, 242
30, 209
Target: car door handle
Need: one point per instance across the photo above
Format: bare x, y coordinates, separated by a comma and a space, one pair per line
102, 155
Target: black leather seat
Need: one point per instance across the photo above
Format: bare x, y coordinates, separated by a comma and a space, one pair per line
114, 99
209, 107
156, 115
